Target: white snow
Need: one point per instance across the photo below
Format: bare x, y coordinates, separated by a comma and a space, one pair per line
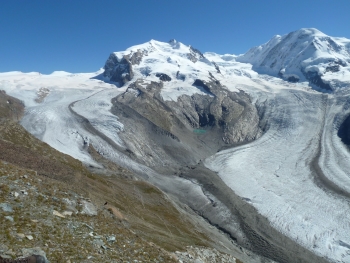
51, 120
171, 59
303, 50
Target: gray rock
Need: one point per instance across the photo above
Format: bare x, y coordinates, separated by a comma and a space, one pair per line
35, 251
55, 199
163, 77
88, 226
10, 218
6, 207
104, 247
67, 213
3, 248
118, 70
20, 235
195, 55
111, 239
70, 205
24, 192
98, 242
88, 208
69, 202
15, 194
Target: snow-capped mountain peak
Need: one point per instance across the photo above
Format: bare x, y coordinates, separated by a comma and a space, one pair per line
171, 62
305, 54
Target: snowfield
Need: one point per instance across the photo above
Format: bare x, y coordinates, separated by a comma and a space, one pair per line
297, 174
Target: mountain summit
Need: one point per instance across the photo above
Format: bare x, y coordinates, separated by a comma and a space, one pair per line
305, 54
157, 60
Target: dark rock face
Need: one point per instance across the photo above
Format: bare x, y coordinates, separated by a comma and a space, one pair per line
335, 66
222, 110
10, 107
195, 55
293, 79
135, 58
344, 131
316, 79
203, 85
120, 69
216, 67
163, 77
180, 76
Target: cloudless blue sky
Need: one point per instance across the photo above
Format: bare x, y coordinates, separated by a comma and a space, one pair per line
79, 35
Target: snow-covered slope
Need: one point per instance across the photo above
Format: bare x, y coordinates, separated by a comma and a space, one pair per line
47, 99
305, 54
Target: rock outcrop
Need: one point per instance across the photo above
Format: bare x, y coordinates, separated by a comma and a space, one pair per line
187, 130
119, 69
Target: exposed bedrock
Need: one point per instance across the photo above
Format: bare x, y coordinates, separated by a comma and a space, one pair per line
316, 77
163, 77
167, 133
120, 69
344, 131
10, 107
317, 80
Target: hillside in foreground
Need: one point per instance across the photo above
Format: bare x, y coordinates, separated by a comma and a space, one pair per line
51, 204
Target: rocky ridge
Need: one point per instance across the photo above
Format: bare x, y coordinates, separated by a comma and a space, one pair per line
188, 129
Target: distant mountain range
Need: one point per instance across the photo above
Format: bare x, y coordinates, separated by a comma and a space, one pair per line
303, 55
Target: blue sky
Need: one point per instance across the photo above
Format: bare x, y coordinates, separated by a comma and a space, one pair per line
79, 35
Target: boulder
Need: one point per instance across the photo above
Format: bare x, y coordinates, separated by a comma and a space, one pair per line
88, 208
